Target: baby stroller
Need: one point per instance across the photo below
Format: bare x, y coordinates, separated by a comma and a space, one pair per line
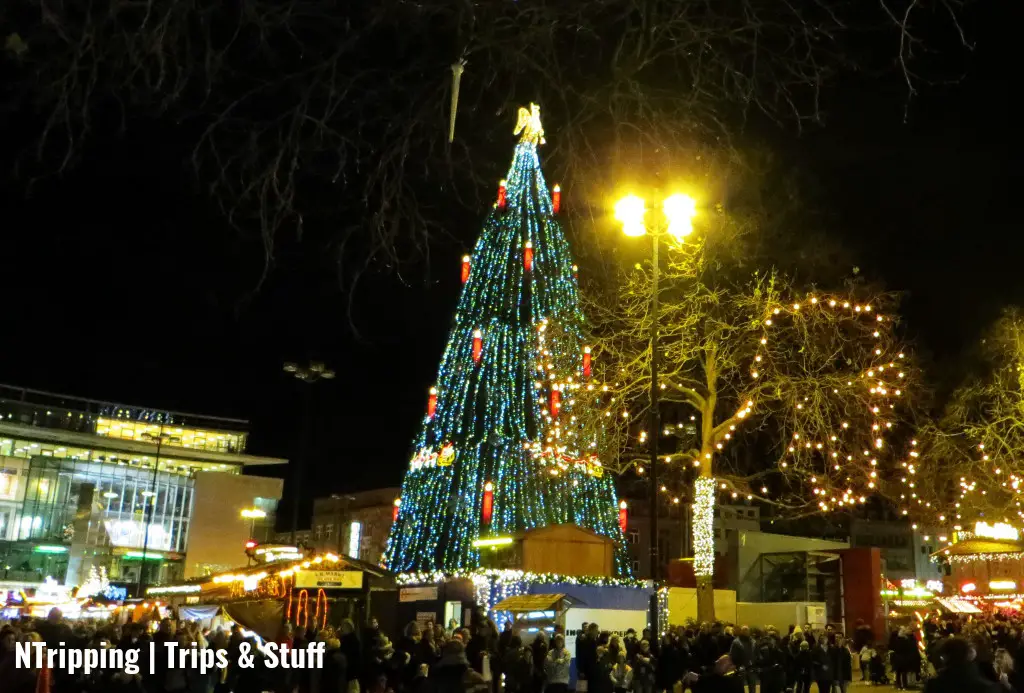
877, 671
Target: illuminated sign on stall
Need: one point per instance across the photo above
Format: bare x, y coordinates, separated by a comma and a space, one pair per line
999, 530
1002, 585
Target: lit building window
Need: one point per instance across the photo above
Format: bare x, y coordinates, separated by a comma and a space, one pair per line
355, 535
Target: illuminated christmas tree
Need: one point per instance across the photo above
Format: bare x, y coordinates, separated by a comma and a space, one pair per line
501, 450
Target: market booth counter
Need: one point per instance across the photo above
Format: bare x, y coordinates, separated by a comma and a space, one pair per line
312, 592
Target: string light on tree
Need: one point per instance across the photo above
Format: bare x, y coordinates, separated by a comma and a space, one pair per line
703, 523
839, 416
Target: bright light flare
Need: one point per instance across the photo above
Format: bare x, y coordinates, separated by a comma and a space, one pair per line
630, 212
680, 210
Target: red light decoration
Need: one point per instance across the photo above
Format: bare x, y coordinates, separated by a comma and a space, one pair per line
623, 516
488, 504
528, 256
586, 362
321, 598
302, 609
465, 268
250, 545
502, 192
556, 199
575, 272
478, 345
394, 510
432, 403
556, 401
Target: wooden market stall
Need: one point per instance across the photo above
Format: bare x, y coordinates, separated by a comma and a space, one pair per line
986, 566
311, 592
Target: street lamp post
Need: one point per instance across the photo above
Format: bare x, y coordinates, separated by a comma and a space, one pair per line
149, 506
310, 374
678, 211
252, 514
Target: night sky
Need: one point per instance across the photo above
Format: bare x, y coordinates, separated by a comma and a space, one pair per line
122, 282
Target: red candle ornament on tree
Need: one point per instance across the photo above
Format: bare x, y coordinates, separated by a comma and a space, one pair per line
502, 192
478, 345
465, 268
575, 272
623, 516
488, 505
556, 199
528, 256
556, 401
394, 511
432, 403
586, 362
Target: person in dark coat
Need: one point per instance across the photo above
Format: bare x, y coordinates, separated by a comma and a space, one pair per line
842, 663
803, 667
741, 652
333, 678
822, 665
539, 654
352, 649
959, 674
601, 676
586, 652
671, 663
862, 635
453, 674
771, 665
517, 666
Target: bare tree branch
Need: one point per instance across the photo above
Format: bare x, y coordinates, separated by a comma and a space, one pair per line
312, 114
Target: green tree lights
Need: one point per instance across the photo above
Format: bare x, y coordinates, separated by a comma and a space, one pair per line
501, 450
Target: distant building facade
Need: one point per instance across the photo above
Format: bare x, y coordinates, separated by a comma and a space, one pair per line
86, 483
354, 524
219, 530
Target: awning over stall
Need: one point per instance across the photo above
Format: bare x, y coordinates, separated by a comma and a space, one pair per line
536, 602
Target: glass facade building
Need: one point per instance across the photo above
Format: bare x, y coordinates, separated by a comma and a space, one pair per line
87, 483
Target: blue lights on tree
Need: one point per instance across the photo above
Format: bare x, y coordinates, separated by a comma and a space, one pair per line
502, 449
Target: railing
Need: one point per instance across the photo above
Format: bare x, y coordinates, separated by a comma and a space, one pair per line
53, 408
64, 412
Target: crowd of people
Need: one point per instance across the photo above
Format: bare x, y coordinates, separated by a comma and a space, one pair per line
947, 656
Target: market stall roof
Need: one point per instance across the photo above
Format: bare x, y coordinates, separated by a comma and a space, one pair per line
958, 606
326, 561
980, 546
535, 602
